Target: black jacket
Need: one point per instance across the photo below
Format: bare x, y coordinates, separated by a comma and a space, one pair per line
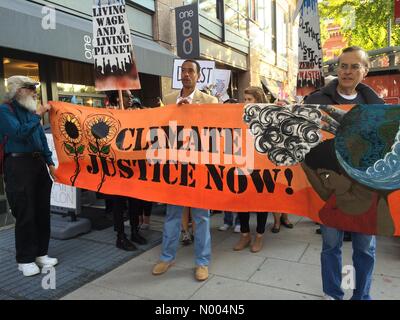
329, 95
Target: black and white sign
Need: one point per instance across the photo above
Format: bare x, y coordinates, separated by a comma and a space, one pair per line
310, 50
206, 74
62, 196
114, 61
187, 31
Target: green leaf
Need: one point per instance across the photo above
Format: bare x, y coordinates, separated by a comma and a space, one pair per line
364, 23
80, 149
69, 148
105, 149
93, 148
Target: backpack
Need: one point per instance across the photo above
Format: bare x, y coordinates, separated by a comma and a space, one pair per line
3, 144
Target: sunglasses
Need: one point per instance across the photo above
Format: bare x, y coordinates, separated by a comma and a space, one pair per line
29, 86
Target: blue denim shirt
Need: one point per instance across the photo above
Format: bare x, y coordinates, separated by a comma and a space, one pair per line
23, 130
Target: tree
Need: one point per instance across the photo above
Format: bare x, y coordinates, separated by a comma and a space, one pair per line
364, 22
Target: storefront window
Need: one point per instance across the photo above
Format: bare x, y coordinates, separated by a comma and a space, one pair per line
13, 67
80, 94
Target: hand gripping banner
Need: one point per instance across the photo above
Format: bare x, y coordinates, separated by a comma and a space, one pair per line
337, 165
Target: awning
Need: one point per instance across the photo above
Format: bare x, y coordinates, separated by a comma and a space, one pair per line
272, 86
153, 58
21, 28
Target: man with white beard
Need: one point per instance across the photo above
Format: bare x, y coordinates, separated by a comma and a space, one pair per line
27, 180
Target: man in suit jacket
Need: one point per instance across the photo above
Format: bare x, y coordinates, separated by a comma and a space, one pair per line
172, 225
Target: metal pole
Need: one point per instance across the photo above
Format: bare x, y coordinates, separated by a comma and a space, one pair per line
389, 34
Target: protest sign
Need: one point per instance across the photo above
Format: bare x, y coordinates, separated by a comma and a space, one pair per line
114, 61
206, 74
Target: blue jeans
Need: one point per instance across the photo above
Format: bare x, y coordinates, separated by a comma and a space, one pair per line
331, 263
172, 229
228, 218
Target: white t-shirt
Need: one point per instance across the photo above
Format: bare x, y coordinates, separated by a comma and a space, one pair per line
348, 97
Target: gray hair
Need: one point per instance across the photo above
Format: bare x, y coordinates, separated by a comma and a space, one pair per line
364, 54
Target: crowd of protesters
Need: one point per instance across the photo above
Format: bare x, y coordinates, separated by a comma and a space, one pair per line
28, 169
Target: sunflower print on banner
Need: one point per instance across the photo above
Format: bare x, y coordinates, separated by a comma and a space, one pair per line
71, 131
100, 130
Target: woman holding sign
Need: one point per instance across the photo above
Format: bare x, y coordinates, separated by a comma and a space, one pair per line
256, 95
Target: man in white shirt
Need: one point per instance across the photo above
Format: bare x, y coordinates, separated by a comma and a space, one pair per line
190, 74
347, 89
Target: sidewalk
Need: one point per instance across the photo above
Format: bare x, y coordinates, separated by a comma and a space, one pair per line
287, 268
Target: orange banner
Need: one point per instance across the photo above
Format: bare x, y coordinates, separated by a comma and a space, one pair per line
193, 155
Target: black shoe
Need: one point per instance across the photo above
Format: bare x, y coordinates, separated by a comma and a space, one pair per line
275, 229
124, 244
137, 238
347, 236
286, 223
318, 231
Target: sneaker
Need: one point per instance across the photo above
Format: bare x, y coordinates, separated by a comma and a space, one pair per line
137, 238
186, 238
145, 226
28, 269
237, 229
224, 227
326, 297
46, 261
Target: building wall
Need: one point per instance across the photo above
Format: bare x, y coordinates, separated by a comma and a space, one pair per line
250, 59
267, 63
140, 24
333, 46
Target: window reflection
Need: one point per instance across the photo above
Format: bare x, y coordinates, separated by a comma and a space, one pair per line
265, 21
281, 32
209, 7
236, 15
80, 94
